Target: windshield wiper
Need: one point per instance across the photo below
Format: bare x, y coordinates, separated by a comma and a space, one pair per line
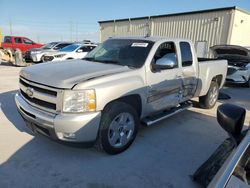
109, 62
88, 58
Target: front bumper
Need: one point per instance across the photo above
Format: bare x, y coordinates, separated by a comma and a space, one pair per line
36, 57
239, 77
64, 127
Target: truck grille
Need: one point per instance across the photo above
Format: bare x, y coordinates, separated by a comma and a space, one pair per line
231, 70
38, 95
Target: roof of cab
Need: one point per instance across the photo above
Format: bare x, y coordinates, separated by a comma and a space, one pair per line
153, 39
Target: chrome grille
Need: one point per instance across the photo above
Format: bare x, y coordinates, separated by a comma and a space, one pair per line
40, 96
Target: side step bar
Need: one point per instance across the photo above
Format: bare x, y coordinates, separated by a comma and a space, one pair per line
148, 121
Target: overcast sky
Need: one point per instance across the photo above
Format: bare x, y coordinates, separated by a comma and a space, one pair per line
48, 20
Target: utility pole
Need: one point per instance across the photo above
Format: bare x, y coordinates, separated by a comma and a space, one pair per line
71, 39
38, 39
77, 31
10, 24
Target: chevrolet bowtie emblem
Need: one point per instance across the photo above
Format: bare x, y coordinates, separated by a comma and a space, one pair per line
30, 92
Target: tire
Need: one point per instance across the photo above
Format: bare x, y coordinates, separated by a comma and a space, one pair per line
247, 84
209, 100
118, 128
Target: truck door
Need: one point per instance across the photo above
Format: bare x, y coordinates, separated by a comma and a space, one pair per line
18, 43
82, 52
189, 71
164, 85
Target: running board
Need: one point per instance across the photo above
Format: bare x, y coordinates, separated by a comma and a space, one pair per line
159, 117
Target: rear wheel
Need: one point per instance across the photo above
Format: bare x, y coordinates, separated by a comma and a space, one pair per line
209, 100
118, 128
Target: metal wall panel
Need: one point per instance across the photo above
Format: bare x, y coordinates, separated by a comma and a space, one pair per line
212, 27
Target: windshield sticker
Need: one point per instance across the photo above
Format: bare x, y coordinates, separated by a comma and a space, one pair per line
144, 45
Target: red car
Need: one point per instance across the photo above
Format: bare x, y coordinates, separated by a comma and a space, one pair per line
21, 43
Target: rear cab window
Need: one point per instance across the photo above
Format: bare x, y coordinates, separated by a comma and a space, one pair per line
186, 54
7, 40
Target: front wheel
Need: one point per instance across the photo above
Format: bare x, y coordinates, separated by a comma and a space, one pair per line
247, 84
118, 128
209, 100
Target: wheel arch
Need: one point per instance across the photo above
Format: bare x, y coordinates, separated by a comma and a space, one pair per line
134, 100
218, 80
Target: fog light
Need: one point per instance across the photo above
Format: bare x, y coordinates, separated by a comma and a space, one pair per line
69, 135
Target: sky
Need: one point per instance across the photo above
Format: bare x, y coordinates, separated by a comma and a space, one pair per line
55, 20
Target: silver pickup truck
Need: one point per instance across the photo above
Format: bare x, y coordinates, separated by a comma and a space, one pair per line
122, 83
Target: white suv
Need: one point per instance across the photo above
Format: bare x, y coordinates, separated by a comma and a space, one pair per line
35, 55
74, 51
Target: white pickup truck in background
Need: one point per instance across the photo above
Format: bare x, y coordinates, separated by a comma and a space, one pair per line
123, 82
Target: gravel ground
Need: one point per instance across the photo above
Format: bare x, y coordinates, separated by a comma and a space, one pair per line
164, 155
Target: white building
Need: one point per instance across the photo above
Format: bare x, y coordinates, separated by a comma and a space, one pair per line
230, 25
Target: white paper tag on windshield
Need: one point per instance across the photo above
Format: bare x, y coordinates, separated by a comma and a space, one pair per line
144, 45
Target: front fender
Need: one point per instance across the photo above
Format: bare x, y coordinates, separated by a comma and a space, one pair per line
111, 91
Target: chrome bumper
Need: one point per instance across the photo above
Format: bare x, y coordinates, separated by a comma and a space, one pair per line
65, 127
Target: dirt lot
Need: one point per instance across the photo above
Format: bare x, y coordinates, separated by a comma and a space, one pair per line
164, 155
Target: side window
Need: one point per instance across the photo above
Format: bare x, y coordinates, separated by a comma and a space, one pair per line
7, 39
166, 50
91, 47
186, 54
27, 41
85, 49
18, 40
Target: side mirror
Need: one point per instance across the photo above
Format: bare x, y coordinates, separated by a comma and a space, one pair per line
231, 119
79, 51
166, 62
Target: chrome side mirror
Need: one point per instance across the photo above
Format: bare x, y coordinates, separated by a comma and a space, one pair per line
166, 62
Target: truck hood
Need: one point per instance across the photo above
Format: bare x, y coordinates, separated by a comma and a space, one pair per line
230, 50
66, 74
236, 55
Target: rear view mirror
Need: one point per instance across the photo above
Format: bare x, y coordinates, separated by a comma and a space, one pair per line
231, 119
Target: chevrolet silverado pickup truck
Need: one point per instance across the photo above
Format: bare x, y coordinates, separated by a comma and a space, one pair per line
122, 83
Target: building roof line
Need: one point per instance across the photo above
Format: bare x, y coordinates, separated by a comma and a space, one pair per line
178, 14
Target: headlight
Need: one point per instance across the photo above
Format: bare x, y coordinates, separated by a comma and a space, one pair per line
60, 55
242, 68
79, 101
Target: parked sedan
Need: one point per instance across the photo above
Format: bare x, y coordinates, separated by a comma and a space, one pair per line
35, 55
74, 51
238, 62
229, 165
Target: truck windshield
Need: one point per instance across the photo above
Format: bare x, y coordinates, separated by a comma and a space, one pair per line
125, 52
70, 48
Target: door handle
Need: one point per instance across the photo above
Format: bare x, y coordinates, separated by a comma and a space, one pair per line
178, 76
